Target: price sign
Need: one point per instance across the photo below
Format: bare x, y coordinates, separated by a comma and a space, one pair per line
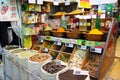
67, 3
39, 1
80, 72
82, 47
97, 50
69, 45
58, 63
45, 49
41, 40
56, 2
57, 43
76, 72
31, 1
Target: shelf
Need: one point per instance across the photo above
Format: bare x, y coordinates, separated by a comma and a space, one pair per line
54, 54
32, 11
64, 57
32, 23
95, 44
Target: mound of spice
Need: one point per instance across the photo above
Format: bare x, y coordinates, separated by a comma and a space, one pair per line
60, 29
95, 31
53, 67
68, 75
39, 57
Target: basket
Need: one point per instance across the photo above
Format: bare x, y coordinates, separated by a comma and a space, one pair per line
58, 34
45, 32
94, 37
72, 35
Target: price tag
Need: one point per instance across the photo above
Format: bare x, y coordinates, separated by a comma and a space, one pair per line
97, 50
31, 1
41, 40
102, 16
94, 16
58, 63
80, 72
39, 1
57, 43
76, 72
45, 49
84, 47
56, 2
69, 45
67, 3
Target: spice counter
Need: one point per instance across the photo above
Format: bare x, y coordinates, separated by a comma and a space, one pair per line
97, 55
35, 67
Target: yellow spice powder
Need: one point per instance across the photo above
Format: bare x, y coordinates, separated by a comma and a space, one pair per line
95, 31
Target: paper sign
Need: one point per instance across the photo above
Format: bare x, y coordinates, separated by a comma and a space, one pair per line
39, 1
94, 16
45, 49
80, 72
102, 16
55, 3
69, 45
97, 50
84, 47
67, 3
31, 1
41, 40
57, 43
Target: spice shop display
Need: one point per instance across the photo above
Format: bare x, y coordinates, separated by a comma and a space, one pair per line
68, 75
51, 69
78, 58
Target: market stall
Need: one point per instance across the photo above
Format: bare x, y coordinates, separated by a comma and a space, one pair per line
65, 38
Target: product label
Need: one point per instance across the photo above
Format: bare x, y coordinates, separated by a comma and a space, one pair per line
97, 50
31, 1
41, 40
69, 45
45, 49
39, 1
57, 43
80, 72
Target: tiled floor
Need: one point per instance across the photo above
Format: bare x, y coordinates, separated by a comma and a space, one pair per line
113, 73
1, 72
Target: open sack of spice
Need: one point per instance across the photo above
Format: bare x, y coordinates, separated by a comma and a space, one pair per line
35, 62
51, 69
73, 74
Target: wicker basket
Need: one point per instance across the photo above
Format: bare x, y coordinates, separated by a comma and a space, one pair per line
72, 35
58, 34
94, 37
45, 32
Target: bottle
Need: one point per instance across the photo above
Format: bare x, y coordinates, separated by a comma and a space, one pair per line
76, 22
98, 21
